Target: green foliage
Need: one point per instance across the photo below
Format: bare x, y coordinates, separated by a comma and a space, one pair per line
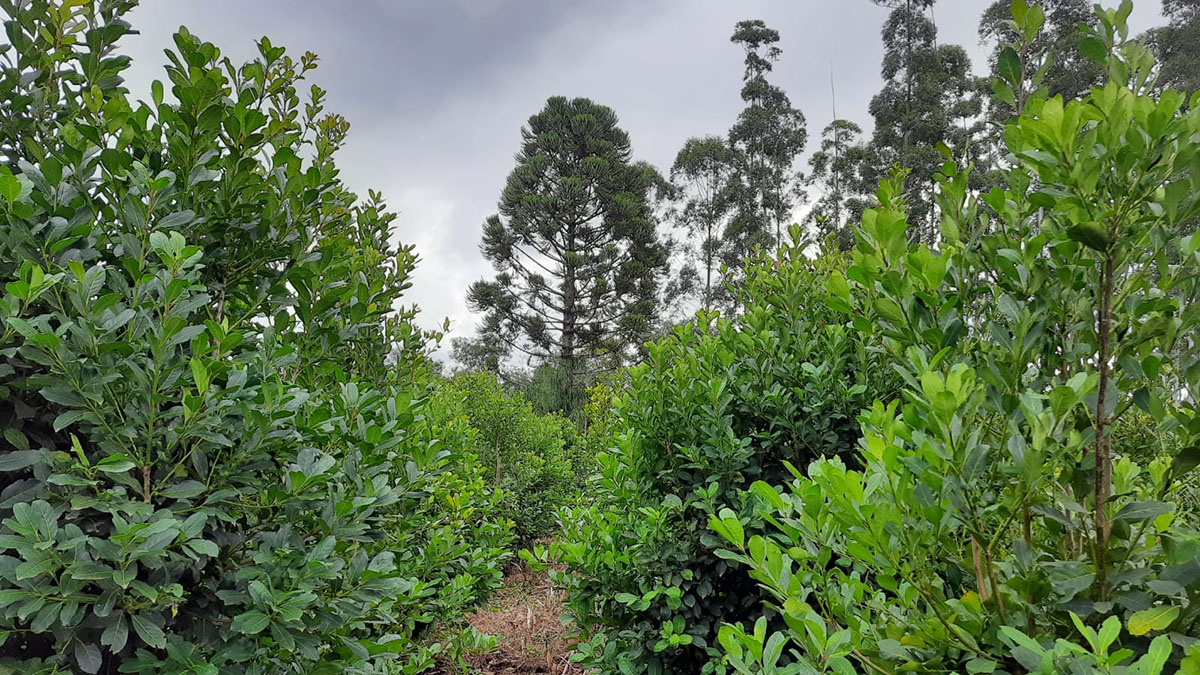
764, 143
838, 169
532, 458
483, 353
1068, 656
207, 466
1177, 45
1139, 436
992, 524
554, 387
575, 246
599, 422
1045, 43
718, 404
929, 98
703, 174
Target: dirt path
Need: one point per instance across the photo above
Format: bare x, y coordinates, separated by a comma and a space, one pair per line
524, 615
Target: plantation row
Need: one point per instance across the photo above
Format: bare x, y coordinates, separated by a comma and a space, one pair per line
228, 449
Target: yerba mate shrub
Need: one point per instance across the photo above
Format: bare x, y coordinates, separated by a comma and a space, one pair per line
219, 453
994, 528
717, 404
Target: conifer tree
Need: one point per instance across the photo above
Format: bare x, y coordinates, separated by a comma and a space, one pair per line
574, 246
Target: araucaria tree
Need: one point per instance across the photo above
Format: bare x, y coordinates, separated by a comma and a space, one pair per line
766, 140
574, 246
702, 174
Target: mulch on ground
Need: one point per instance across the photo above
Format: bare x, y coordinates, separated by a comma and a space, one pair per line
524, 615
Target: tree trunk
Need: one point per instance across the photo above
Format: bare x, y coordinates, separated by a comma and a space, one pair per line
569, 326
710, 226
1103, 483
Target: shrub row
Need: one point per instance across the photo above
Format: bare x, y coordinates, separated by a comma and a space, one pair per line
206, 466
932, 459
715, 406
994, 526
535, 460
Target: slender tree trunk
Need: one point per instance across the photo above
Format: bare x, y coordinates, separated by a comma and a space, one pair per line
977, 562
569, 326
221, 303
709, 226
708, 285
835, 170
907, 73
1103, 483
1027, 534
220, 315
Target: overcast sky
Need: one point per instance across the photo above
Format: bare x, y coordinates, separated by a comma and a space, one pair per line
436, 91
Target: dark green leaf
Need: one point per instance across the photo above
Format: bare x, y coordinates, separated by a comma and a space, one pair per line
115, 634
148, 631
88, 657
251, 623
1008, 65
1093, 49
1139, 511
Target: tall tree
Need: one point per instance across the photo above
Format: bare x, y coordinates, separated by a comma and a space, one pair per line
1065, 22
766, 139
702, 174
1177, 48
574, 246
1034, 51
486, 352
836, 170
1177, 45
928, 98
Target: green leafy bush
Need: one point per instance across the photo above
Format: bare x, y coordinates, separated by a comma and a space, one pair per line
530, 457
1140, 436
206, 466
552, 388
599, 422
716, 405
994, 524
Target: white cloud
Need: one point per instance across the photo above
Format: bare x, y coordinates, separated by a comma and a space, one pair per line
426, 216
